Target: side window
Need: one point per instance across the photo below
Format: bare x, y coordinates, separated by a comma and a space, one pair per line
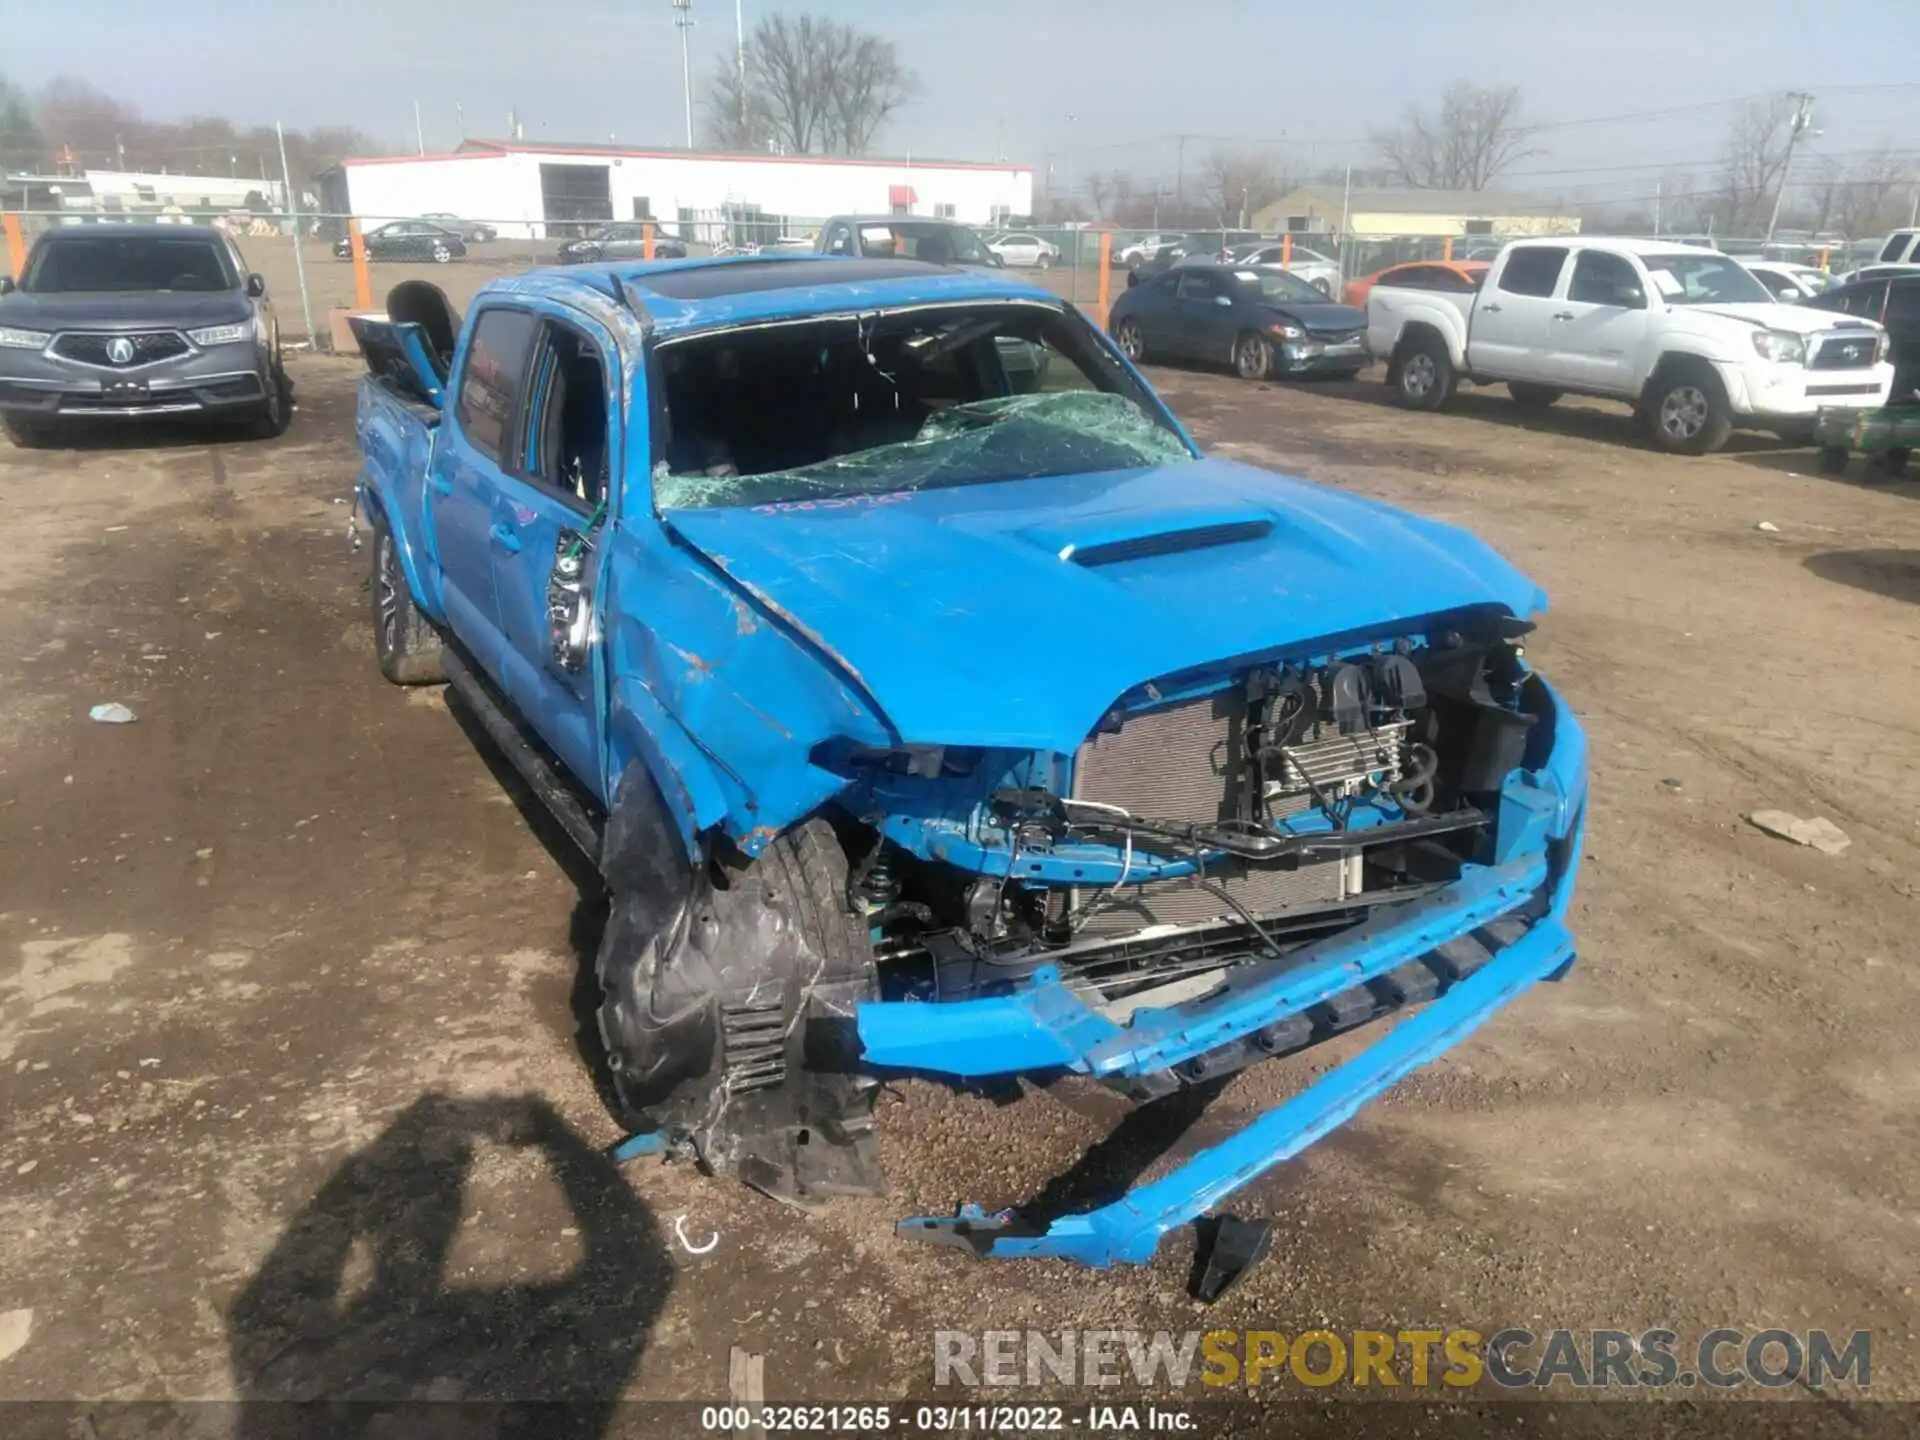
1532, 270
567, 438
1603, 279
1896, 246
1197, 286
1903, 306
490, 385
1415, 277
1777, 284
1866, 301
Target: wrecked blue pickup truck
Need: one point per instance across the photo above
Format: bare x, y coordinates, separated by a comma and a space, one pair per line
930, 705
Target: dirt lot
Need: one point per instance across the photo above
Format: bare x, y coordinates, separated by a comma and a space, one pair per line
289, 993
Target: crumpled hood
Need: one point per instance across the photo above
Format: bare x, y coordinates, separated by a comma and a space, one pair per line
1800, 319
1014, 614
123, 310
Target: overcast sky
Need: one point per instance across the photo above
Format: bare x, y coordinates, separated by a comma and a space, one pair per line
1006, 75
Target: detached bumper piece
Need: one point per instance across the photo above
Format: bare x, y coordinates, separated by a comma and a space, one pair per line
1475, 945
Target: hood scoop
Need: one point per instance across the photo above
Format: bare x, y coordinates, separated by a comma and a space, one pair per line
1165, 542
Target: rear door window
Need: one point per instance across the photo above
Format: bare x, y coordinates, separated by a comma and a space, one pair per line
495, 375
1533, 270
1903, 308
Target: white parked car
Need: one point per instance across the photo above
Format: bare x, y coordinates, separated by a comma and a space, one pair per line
1898, 254
1018, 248
1686, 336
1787, 281
1320, 271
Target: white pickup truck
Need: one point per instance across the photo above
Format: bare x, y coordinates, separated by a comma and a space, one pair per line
1686, 336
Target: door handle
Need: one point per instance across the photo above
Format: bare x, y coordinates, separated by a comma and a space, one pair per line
441, 484
504, 537
1489, 309
1563, 315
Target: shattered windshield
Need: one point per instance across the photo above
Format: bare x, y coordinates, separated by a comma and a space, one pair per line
869, 405
1014, 437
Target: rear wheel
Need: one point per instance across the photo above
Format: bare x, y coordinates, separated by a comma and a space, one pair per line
1045, 262
1532, 397
441, 254
404, 643
1423, 377
1131, 340
1324, 286
1685, 410
1252, 356
1833, 460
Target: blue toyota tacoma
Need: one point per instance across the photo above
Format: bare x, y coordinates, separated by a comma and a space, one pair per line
931, 705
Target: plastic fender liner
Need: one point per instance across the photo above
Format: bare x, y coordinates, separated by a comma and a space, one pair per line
1130, 1229
1047, 1026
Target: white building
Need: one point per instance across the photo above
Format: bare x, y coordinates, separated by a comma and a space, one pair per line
521, 189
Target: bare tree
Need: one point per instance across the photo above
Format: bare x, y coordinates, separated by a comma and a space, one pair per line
21, 144
1753, 161
1466, 144
813, 86
1865, 198
1237, 184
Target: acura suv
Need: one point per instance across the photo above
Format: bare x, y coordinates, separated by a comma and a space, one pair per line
126, 321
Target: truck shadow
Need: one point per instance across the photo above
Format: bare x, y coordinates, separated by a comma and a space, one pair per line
356, 1317
589, 919
1894, 574
1574, 418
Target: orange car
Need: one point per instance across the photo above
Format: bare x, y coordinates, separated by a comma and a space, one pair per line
1457, 275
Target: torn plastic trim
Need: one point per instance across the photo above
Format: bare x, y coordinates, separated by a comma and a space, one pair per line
1131, 1228
1047, 1026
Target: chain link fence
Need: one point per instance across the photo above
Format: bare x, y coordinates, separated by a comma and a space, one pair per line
308, 265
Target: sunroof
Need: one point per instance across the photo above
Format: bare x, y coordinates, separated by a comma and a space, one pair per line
708, 282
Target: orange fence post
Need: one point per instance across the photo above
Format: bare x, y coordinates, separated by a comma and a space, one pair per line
16, 245
362, 282
1286, 249
1446, 250
646, 235
1106, 271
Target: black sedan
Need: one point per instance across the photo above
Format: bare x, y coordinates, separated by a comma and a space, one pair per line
622, 240
1260, 319
476, 233
407, 240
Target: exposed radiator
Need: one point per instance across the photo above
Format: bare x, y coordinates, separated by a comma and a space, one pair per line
1187, 762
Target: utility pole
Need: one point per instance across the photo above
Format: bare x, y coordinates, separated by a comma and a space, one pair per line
1179, 169
1659, 192
419, 134
740, 60
683, 20
1802, 123
460, 121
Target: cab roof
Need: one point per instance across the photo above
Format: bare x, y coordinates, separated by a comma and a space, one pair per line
686, 296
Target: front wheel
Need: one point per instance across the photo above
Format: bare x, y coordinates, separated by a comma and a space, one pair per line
1131, 340
1324, 286
1423, 378
1685, 411
1252, 357
404, 643
441, 254
275, 413
1045, 262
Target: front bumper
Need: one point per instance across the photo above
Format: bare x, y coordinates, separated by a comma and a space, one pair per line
1475, 945
1793, 392
217, 379
1319, 357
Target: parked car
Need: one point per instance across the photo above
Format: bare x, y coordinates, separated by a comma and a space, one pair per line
759, 635
1892, 301
116, 322
1788, 282
622, 240
1899, 251
905, 237
406, 240
1146, 249
1264, 321
1462, 277
471, 230
1687, 337
1320, 271
1028, 251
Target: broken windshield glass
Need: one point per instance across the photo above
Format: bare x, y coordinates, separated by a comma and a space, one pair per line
1012, 437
